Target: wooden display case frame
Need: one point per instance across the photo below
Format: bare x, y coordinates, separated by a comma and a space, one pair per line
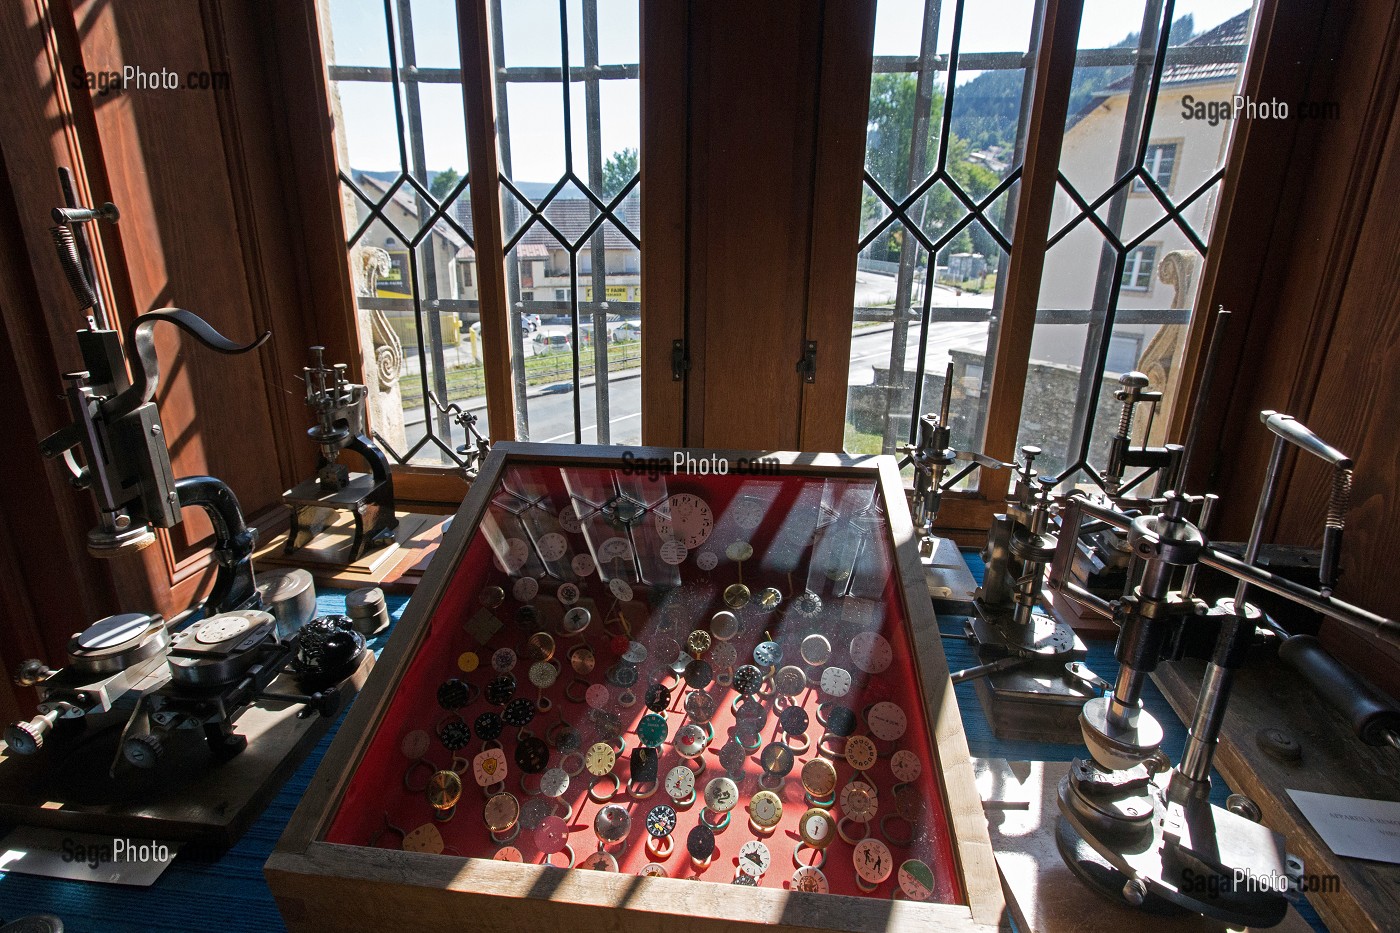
326, 886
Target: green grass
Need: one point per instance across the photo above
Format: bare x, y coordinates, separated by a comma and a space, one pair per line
859, 442
540, 369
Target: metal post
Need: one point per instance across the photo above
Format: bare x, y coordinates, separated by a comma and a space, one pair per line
414, 109
909, 249
593, 122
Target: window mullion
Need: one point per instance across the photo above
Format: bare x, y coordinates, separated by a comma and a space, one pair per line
479, 103
1054, 72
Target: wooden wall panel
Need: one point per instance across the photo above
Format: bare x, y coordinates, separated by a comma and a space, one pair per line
1320, 336
754, 70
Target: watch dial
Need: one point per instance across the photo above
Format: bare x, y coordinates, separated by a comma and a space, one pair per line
777, 759
425, 838
840, 720
724, 625
754, 858
554, 782
859, 802
816, 650
817, 827
615, 549
808, 605
860, 753
819, 778
661, 821
599, 861
790, 680
810, 880
453, 694
597, 696
508, 854
525, 589
747, 680
636, 653
707, 560
543, 674
871, 652
916, 880
502, 810
567, 593
680, 782
906, 766
699, 706
582, 565
673, 552
766, 808
739, 551
691, 740
534, 812
532, 755
514, 556
415, 744
700, 843
736, 596
873, 860
552, 835
454, 734
687, 518
503, 661
489, 767
747, 512
721, 794
600, 759
621, 589
794, 720
553, 546
576, 620
887, 721
612, 823
768, 654
652, 729
569, 520
658, 697
698, 674
489, 726
836, 681
518, 712
653, 870
724, 655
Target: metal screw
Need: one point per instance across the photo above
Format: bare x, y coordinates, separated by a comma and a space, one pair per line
1240, 805
1134, 892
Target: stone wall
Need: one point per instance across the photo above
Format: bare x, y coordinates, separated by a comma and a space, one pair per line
1047, 413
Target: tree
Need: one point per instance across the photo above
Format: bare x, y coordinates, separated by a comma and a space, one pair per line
443, 182
618, 171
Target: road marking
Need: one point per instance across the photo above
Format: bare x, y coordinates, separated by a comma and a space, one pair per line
570, 434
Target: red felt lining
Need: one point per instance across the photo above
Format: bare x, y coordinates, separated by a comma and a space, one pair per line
376, 792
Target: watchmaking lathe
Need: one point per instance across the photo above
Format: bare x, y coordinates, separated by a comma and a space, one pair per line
1135, 827
339, 407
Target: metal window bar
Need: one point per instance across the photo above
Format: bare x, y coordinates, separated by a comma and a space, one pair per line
405, 77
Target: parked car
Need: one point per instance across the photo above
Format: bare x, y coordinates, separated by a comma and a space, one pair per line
531, 322
627, 330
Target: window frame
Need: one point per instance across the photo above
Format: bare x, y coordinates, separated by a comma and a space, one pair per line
1155, 246
1138, 187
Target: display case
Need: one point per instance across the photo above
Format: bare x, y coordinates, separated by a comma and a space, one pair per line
642, 686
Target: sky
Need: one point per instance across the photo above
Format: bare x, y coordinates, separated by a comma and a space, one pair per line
532, 38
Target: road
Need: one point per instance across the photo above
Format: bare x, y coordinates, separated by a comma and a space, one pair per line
551, 415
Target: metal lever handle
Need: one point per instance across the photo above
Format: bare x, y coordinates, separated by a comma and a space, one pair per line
141, 354
1298, 434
